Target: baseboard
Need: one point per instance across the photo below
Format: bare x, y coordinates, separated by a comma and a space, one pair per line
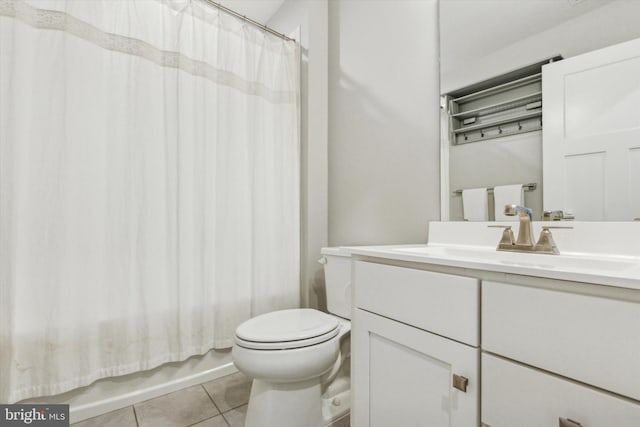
93, 409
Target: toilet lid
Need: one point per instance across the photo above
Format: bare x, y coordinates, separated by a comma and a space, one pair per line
287, 329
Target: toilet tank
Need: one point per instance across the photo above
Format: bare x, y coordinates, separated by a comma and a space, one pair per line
337, 278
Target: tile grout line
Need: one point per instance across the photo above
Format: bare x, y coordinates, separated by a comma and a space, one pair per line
135, 415
219, 410
211, 399
225, 419
214, 404
210, 418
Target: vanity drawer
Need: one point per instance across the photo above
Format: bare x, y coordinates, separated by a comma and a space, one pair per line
444, 304
516, 395
591, 339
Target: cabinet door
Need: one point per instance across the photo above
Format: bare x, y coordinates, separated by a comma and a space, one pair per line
591, 134
591, 339
403, 376
517, 395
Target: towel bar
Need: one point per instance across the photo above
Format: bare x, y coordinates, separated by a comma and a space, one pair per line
527, 187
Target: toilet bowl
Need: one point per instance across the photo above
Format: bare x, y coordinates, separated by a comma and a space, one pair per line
298, 358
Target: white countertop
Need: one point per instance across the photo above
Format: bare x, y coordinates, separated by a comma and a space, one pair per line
620, 266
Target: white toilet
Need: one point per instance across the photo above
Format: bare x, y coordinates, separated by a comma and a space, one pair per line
299, 358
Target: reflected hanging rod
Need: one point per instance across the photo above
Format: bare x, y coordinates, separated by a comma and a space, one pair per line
249, 20
527, 187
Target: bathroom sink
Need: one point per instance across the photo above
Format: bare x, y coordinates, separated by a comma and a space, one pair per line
532, 260
525, 263
606, 253
578, 263
525, 259
451, 251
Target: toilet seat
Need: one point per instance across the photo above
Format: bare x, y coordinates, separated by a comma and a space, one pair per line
287, 329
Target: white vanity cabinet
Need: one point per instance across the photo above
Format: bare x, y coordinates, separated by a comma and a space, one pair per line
548, 352
545, 341
415, 341
560, 352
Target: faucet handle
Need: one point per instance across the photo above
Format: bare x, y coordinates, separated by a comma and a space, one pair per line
546, 244
507, 240
547, 227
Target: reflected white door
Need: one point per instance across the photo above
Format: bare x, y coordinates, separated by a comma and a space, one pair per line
591, 134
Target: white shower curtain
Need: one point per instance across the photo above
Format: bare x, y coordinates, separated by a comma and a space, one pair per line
149, 186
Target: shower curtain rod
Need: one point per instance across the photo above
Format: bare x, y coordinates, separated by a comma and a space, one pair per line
249, 20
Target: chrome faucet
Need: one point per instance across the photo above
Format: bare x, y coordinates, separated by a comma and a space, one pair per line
524, 242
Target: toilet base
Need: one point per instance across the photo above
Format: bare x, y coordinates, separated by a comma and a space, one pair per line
336, 396
335, 406
285, 405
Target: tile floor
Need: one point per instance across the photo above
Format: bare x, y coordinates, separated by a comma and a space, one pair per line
218, 403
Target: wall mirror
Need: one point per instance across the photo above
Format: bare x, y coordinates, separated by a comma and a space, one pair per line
482, 39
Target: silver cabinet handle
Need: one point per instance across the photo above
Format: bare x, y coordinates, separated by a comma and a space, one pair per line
460, 382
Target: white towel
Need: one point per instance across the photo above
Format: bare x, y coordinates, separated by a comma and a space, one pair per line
474, 204
507, 195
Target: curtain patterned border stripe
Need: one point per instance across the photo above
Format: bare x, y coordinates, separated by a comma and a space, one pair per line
60, 21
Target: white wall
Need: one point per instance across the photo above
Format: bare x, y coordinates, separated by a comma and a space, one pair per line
607, 25
518, 159
310, 16
383, 121
375, 177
